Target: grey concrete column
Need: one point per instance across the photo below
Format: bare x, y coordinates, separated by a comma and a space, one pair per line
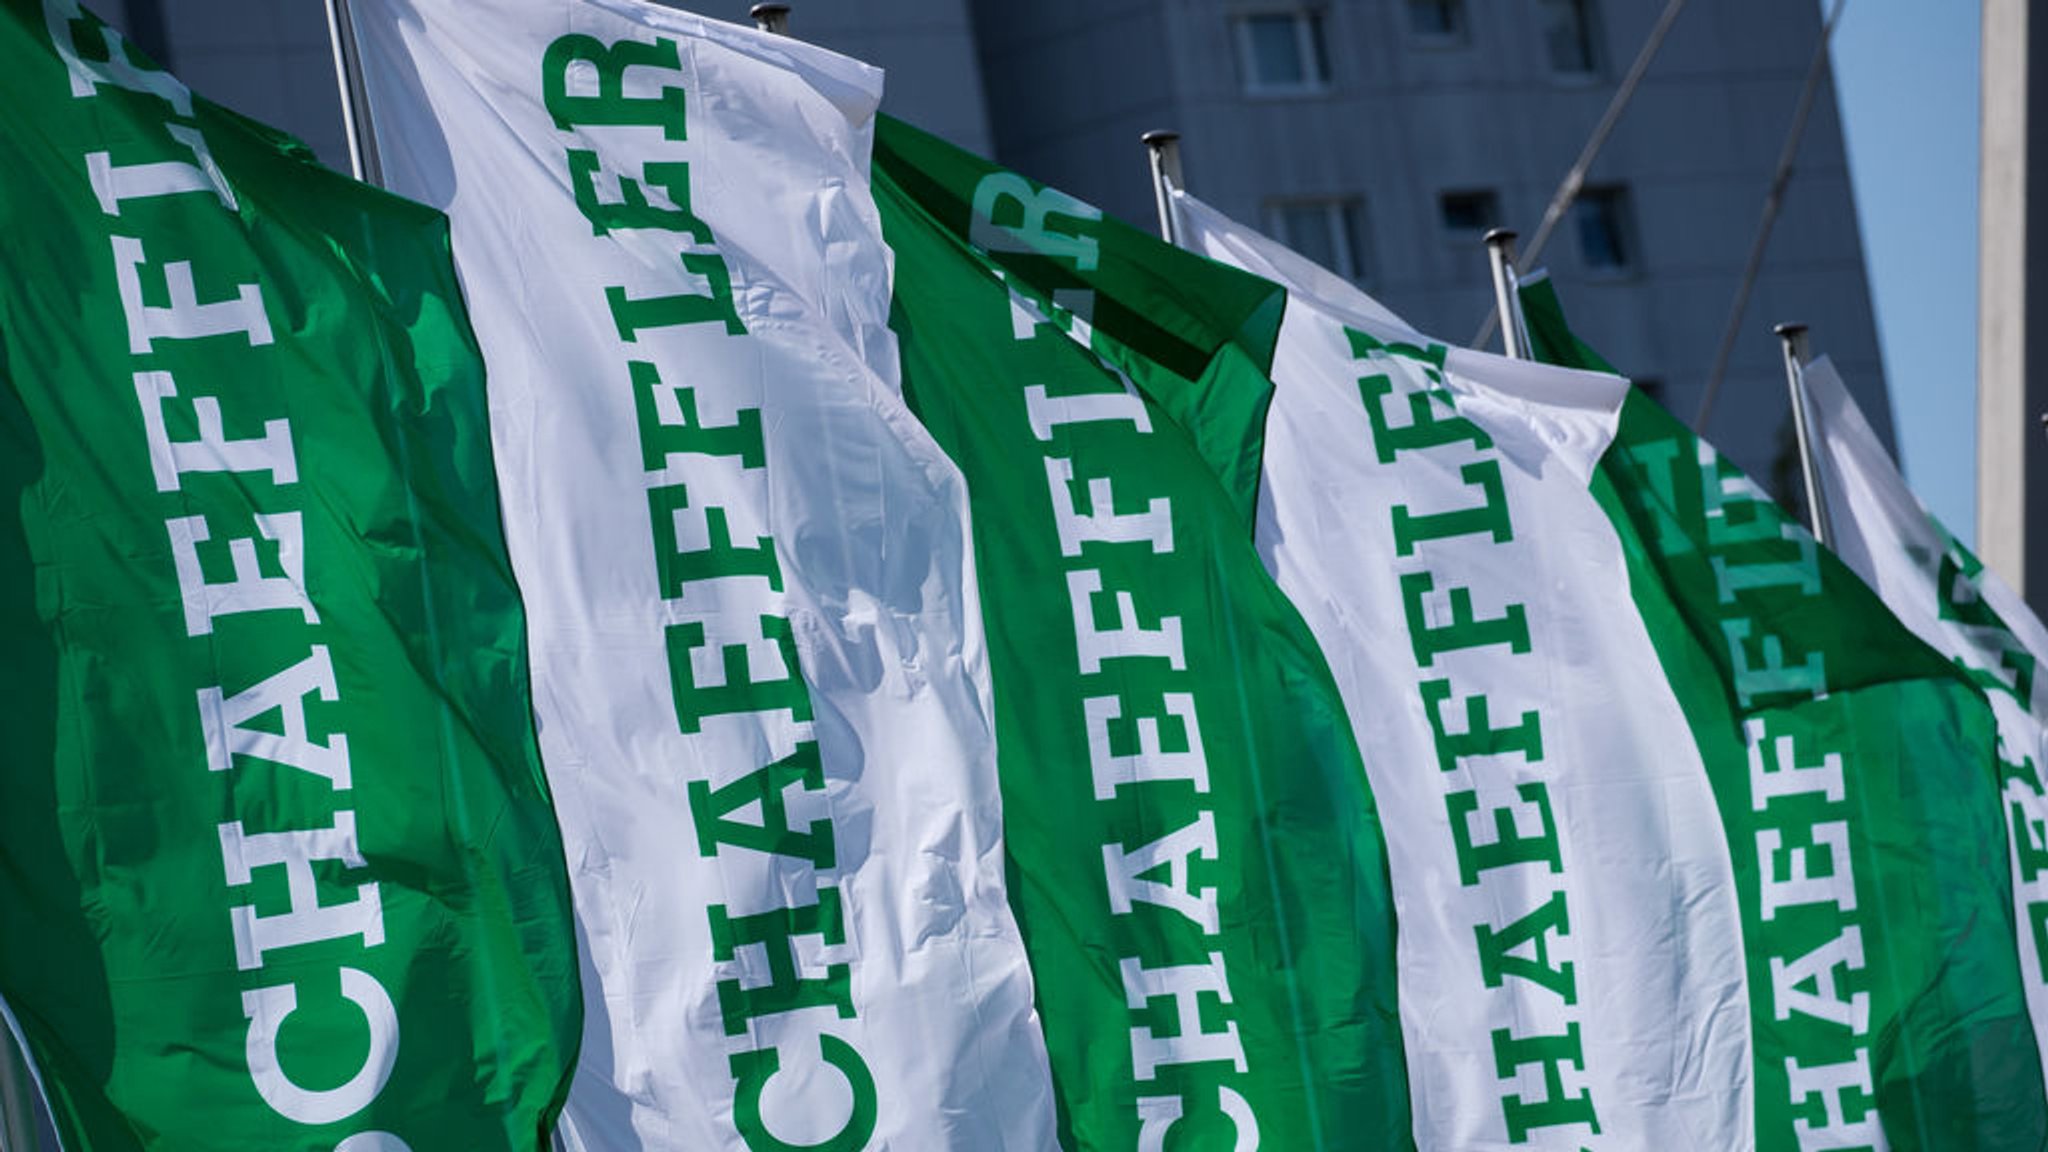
2012, 320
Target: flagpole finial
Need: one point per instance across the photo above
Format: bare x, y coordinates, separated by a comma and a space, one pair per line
771, 18
1793, 335
1163, 148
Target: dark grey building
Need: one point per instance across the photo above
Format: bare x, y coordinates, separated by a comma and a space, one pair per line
1381, 137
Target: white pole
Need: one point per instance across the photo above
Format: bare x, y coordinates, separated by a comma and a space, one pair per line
1792, 338
355, 102
1163, 151
24, 1122
17, 1100
1500, 253
771, 18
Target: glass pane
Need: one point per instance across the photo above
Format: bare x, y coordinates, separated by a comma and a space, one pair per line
1436, 17
1275, 52
1470, 211
1603, 234
1307, 231
1568, 34
1314, 24
1355, 246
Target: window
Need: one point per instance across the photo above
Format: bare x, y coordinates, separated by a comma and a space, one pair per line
1329, 232
1606, 235
1568, 35
1474, 210
1282, 52
1437, 19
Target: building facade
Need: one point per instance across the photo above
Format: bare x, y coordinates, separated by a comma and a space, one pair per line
1381, 137
1384, 137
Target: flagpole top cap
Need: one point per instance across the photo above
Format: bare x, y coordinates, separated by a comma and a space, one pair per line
1787, 331
769, 13
1160, 137
1501, 236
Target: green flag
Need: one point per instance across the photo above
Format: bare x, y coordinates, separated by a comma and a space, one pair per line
1195, 861
277, 866
1858, 778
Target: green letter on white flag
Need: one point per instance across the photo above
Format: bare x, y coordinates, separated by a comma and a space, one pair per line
758, 662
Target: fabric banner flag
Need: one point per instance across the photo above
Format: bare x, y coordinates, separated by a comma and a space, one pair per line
1728, 820
759, 664
1194, 855
1921, 970
277, 866
1940, 590
1570, 950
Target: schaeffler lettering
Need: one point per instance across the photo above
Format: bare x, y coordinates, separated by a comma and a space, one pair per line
707, 495
258, 562
1497, 796
1181, 1011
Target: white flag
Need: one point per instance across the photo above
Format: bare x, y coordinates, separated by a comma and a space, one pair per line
1571, 963
758, 658
1694, 845
1949, 599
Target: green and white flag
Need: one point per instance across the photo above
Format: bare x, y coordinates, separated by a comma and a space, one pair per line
1946, 595
1957, 1070
1570, 950
759, 663
277, 865
1695, 845
1194, 856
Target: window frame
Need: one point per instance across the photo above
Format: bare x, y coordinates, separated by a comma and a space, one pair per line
1348, 244
1311, 46
1459, 35
1487, 195
1586, 12
1619, 202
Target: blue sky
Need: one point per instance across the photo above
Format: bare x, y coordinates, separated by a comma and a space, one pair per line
1906, 77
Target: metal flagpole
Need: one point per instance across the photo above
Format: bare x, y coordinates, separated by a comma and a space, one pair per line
24, 1122
1163, 150
1792, 337
1575, 179
1773, 201
17, 1101
1500, 253
771, 18
355, 102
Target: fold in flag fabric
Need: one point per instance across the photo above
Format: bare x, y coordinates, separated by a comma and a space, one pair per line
758, 660
1694, 844
1195, 859
1940, 590
277, 866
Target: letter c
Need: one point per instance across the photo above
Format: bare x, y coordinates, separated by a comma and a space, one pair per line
266, 1010
1158, 1114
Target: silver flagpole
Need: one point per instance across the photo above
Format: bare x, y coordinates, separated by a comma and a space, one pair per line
1792, 337
1575, 179
1500, 253
17, 1100
1163, 150
1773, 201
355, 102
771, 18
